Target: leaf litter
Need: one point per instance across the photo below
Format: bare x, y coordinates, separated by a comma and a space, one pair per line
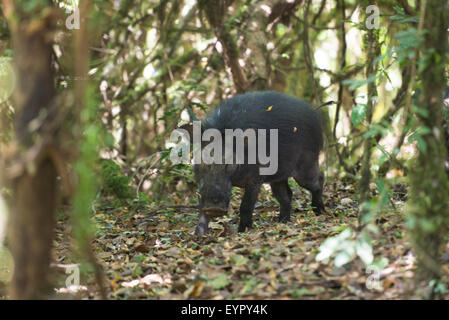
155, 255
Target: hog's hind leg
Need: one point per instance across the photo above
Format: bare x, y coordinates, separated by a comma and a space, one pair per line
283, 194
309, 177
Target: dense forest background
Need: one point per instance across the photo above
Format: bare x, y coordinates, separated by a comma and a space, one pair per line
92, 207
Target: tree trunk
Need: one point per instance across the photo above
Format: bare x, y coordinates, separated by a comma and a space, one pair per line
33, 180
215, 12
372, 46
428, 210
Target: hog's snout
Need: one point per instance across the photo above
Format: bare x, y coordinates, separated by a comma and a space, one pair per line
214, 201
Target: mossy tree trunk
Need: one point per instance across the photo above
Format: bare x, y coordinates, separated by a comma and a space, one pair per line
372, 46
428, 208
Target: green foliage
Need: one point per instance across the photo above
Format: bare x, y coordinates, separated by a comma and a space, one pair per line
378, 129
346, 246
438, 286
402, 17
424, 113
85, 168
375, 206
140, 202
384, 192
299, 293
408, 42
219, 282
446, 119
418, 136
354, 83
114, 181
30, 5
358, 114
280, 30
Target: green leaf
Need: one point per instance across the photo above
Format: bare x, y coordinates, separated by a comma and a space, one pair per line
343, 258
399, 10
374, 130
364, 250
137, 271
219, 282
418, 137
422, 145
298, 293
420, 111
354, 83
402, 17
380, 263
280, 30
358, 114
348, 67
239, 260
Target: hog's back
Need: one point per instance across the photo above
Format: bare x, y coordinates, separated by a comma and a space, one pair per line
298, 124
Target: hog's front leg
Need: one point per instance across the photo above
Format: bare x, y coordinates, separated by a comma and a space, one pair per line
247, 207
203, 225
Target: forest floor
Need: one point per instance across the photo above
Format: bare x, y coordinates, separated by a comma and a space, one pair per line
153, 254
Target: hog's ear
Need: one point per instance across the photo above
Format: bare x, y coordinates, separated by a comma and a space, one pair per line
189, 128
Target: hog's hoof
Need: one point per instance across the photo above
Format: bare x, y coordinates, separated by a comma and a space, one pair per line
284, 219
244, 227
319, 209
201, 230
